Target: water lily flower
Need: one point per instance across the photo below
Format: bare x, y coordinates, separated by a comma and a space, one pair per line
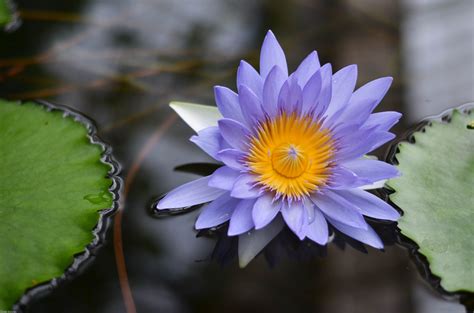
293, 149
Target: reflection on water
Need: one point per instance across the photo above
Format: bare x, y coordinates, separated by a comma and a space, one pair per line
121, 62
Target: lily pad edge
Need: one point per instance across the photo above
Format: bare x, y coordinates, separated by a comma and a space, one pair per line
82, 259
466, 298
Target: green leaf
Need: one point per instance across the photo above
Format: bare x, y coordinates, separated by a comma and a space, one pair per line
6, 13
52, 186
436, 195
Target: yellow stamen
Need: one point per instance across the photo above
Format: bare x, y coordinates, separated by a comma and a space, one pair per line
291, 155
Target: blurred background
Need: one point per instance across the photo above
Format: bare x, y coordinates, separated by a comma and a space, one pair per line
122, 61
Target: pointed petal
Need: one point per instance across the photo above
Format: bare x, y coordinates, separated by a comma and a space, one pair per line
311, 92
369, 204
271, 54
290, 99
294, 217
233, 158
251, 106
209, 140
228, 103
354, 114
235, 133
248, 76
223, 178
197, 116
241, 220
217, 212
271, 90
339, 209
343, 83
250, 244
244, 187
192, 193
342, 178
382, 121
360, 143
307, 68
317, 231
326, 90
367, 236
375, 89
265, 210
370, 171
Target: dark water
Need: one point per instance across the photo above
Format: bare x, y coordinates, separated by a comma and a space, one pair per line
121, 62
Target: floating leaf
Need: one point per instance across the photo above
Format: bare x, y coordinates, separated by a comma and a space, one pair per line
436, 195
56, 185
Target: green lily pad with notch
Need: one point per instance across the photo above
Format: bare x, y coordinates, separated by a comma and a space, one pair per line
58, 185
436, 195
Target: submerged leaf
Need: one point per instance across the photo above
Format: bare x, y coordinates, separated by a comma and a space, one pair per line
53, 183
436, 195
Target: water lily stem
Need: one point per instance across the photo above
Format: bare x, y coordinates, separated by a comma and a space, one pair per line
118, 244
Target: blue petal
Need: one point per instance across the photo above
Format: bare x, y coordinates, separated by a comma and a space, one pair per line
355, 114
369, 204
235, 133
272, 54
342, 178
361, 142
317, 231
265, 210
244, 187
271, 90
367, 236
343, 83
217, 212
232, 158
382, 121
192, 193
311, 92
307, 68
241, 220
251, 106
290, 98
209, 140
371, 171
326, 90
294, 217
228, 103
248, 76
375, 89
339, 209
223, 178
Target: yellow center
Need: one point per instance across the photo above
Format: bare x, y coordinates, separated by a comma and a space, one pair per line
291, 155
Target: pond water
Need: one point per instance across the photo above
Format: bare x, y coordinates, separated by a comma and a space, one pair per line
122, 61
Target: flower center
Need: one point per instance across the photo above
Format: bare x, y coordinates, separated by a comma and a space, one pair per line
291, 155
289, 160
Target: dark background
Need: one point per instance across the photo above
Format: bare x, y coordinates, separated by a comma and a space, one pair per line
122, 61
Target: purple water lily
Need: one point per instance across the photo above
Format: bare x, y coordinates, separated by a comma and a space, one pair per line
293, 149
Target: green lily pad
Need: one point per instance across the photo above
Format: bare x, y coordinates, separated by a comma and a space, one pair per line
57, 185
436, 195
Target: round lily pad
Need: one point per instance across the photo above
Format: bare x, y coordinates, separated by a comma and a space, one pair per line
435, 193
58, 185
